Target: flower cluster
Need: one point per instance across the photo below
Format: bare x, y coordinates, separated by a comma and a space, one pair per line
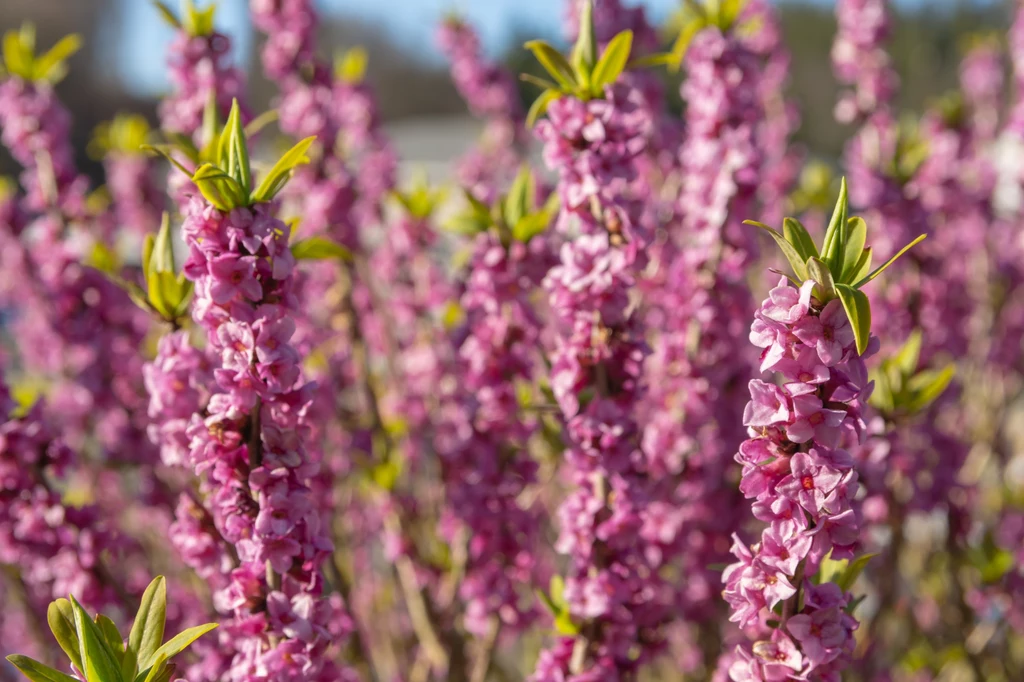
249, 443
859, 60
798, 470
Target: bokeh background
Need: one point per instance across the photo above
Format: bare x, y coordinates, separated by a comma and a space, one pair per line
122, 65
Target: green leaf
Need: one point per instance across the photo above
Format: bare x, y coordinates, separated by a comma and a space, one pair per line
161, 252
13, 55
37, 672
546, 600
517, 200
910, 353
584, 52
858, 309
797, 235
254, 126
219, 188
540, 106
100, 665
279, 174
792, 255
689, 29
350, 67
553, 62
853, 571
167, 15
835, 236
159, 664
182, 640
889, 262
820, 273
148, 629
320, 248
60, 616
856, 237
529, 226
234, 148
863, 266
111, 636
927, 386
612, 62
165, 152
50, 66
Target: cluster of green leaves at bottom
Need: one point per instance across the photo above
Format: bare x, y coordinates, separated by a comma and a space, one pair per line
840, 267
99, 653
901, 388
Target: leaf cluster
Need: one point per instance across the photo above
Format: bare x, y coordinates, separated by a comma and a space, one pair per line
20, 60
901, 388
195, 22
840, 268
126, 134
99, 653
583, 74
554, 600
695, 16
514, 216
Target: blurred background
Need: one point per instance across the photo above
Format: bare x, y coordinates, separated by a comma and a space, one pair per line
122, 65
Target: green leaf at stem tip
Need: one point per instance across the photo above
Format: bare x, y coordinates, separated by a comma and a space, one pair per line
835, 236
909, 355
99, 660
863, 266
856, 237
517, 201
233, 154
797, 235
858, 310
584, 52
889, 262
183, 639
147, 631
529, 226
50, 66
797, 262
320, 248
167, 15
147, 674
927, 386
825, 289
553, 62
38, 672
60, 616
853, 570
279, 174
612, 62
540, 106
111, 636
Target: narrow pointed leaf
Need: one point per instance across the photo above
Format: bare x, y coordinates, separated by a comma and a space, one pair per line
853, 571
928, 386
835, 235
540, 106
819, 272
910, 353
792, 255
612, 62
529, 226
553, 62
584, 52
167, 14
159, 663
111, 636
97, 657
38, 672
60, 616
856, 237
858, 310
48, 65
279, 174
255, 126
889, 262
797, 235
147, 631
863, 266
542, 83
182, 640
319, 248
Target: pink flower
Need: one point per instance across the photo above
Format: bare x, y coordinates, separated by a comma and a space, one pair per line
829, 333
234, 276
810, 482
768, 405
813, 422
820, 634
